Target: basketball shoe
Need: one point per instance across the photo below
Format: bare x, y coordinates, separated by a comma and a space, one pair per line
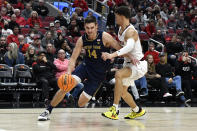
112, 113
44, 116
134, 115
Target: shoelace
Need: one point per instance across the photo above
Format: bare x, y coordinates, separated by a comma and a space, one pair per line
44, 114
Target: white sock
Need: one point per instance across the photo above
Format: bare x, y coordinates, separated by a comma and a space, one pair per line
116, 106
136, 109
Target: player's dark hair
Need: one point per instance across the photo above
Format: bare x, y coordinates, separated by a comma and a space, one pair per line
123, 10
90, 19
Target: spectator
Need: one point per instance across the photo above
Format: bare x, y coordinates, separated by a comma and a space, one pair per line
111, 18
189, 47
194, 34
161, 26
185, 34
148, 15
30, 38
171, 23
41, 9
62, 20
34, 19
30, 56
5, 31
181, 23
172, 48
165, 70
4, 14
150, 28
47, 39
44, 74
13, 56
13, 22
10, 10
26, 13
14, 37
159, 37
139, 17
58, 27
184, 68
134, 23
37, 43
23, 47
1, 22
151, 51
164, 14
37, 30
52, 30
73, 29
59, 40
66, 14
82, 4
20, 5
20, 20
3, 49
65, 46
50, 52
80, 18
154, 79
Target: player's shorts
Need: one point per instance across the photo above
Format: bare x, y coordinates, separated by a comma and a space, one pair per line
82, 73
137, 72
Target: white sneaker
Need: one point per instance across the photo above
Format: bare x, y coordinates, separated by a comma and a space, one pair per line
167, 94
44, 116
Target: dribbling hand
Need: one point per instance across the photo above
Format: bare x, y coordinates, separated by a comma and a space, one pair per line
106, 56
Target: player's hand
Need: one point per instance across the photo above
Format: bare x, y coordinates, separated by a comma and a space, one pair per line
170, 80
106, 56
158, 76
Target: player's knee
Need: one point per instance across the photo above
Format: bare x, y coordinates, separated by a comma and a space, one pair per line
81, 104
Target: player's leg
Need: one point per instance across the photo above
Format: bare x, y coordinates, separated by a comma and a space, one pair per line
136, 110
119, 76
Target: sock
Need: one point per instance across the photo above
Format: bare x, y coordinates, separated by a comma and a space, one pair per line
137, 109
116, 106
49, 108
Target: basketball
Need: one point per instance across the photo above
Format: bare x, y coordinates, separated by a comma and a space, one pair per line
66, 82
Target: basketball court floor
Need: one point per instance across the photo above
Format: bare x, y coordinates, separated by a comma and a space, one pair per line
90, 119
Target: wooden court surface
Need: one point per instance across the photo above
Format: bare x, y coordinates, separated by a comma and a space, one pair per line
90, 119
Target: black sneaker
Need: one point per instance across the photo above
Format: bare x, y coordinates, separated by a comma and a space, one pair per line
179, 93
44, 116
144, 92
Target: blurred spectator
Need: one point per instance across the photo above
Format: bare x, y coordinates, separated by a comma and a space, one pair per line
37, 44
58, 27
154, 79
111, 18
194, 34
66, 14
150, 28
37, 30
65, 46
20, 20
52, 30
34, 19
153, 52
44, 74
189, 47
73, 29
181, 23
58, 40
23, 46
26, 13
164, 14
139, 17
3, 49
159, 37
165, 70
50, 52
185, 33
14, 37
148, 15
172, 48
61, 63
13, 56
5, 31
30, 38
82, 4
12, 1
41, 9
111, 31
13, 22
171, 23
1, 22
30, 56
184, 68
47, 39
4, 14
161, 26
10, 10
20, 5
60, 17
134, 23
80, 18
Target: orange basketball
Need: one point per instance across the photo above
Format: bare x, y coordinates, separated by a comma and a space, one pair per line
66, 82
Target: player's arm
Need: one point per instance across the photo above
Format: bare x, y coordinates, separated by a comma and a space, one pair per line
130, 37
75, 54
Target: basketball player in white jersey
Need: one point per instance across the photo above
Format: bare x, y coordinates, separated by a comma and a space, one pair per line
133, 68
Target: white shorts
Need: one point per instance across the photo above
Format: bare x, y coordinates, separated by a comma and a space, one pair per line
137, 72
